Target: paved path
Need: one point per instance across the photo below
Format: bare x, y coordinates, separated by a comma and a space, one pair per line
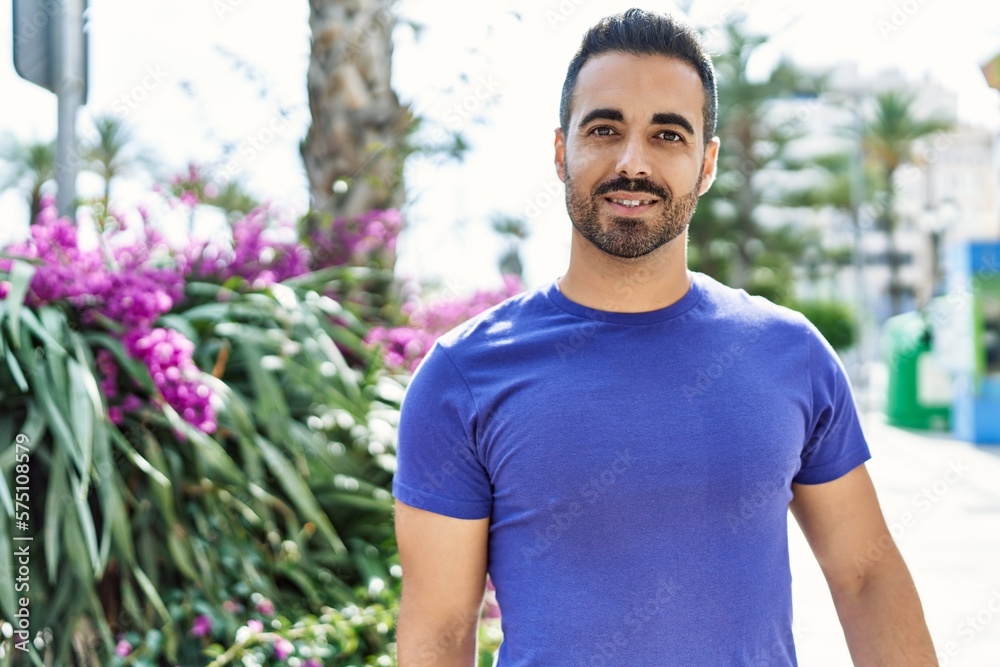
941, 498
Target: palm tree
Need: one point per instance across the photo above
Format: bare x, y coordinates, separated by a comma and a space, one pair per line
113, 151
234, 199
888, 140
514, 230
32, 165
354, 150
727, 239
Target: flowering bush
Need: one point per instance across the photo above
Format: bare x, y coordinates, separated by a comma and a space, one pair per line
368, 238
251, 631
404, 347
203, 433
127, 288
213, 425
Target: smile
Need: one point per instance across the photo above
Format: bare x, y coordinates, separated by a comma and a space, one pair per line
631, 203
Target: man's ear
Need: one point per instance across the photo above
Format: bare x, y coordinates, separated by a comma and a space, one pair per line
560, 159
710, 165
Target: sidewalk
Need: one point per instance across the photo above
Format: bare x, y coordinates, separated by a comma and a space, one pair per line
941, 499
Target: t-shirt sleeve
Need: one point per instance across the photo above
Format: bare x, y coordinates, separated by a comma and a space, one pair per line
835, 442
437, 468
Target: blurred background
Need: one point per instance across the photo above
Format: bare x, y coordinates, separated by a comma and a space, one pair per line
230, 230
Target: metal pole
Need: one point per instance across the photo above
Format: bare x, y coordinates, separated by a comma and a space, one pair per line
69, 91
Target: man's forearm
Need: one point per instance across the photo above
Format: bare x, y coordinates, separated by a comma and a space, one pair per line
420, 642
883, 619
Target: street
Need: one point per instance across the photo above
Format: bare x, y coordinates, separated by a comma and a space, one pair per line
941, 499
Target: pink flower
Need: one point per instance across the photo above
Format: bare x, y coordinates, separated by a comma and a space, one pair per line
123, 648
189, 198
312, 662
265, 607
232, 606
282, 649
404, 347
167, 354
255, 625
201, 626
115, 415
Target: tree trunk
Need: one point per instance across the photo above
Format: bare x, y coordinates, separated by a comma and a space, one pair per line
895, 287
359, 128
35, 204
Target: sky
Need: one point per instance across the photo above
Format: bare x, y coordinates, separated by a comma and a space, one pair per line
178, 72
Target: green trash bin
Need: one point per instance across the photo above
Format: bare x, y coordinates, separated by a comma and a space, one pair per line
919, 391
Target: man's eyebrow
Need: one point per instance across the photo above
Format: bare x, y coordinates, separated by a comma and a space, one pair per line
604, 113
673, 119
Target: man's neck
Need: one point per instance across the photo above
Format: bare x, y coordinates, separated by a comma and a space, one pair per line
598, 280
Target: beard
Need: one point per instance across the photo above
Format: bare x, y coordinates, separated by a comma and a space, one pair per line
630, 237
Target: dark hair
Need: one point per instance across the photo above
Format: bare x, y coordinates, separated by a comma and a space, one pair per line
642, 33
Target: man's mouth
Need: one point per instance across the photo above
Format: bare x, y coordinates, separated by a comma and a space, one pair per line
629, 206
632, 203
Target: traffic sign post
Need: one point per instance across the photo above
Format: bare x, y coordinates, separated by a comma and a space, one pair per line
50, 50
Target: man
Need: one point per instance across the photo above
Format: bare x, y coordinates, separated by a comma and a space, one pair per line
620, 448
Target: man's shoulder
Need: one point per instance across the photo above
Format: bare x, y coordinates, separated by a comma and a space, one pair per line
723, 302
508, 318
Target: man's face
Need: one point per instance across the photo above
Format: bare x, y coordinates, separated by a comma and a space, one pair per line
635, 135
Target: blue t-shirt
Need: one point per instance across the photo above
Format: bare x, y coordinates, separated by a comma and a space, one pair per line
636, 469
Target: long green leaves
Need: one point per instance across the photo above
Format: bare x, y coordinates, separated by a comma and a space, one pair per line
284, 499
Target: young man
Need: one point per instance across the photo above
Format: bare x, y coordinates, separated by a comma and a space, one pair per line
620, 448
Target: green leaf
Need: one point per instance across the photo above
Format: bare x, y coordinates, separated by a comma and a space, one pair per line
33, 428
152, 595
163, 495
116, 522
76, 546
181, 555
209, 451
304, 584
298, 492
82, 413
181, 324
20, 280
203, 290
209, 312
137, 459
56, 499
134, 369
15, 368
31, 321
45, 394
7, 600
87, 527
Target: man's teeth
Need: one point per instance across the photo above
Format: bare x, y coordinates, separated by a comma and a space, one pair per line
631, 202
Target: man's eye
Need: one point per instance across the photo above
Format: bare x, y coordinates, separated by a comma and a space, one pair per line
602, 131
671, 136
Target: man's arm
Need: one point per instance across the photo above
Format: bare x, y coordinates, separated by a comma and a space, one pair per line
872, 589
444, 579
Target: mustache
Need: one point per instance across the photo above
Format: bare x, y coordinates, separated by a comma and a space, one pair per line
637, 185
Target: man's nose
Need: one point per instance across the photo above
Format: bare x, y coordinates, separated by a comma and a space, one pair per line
634, 160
